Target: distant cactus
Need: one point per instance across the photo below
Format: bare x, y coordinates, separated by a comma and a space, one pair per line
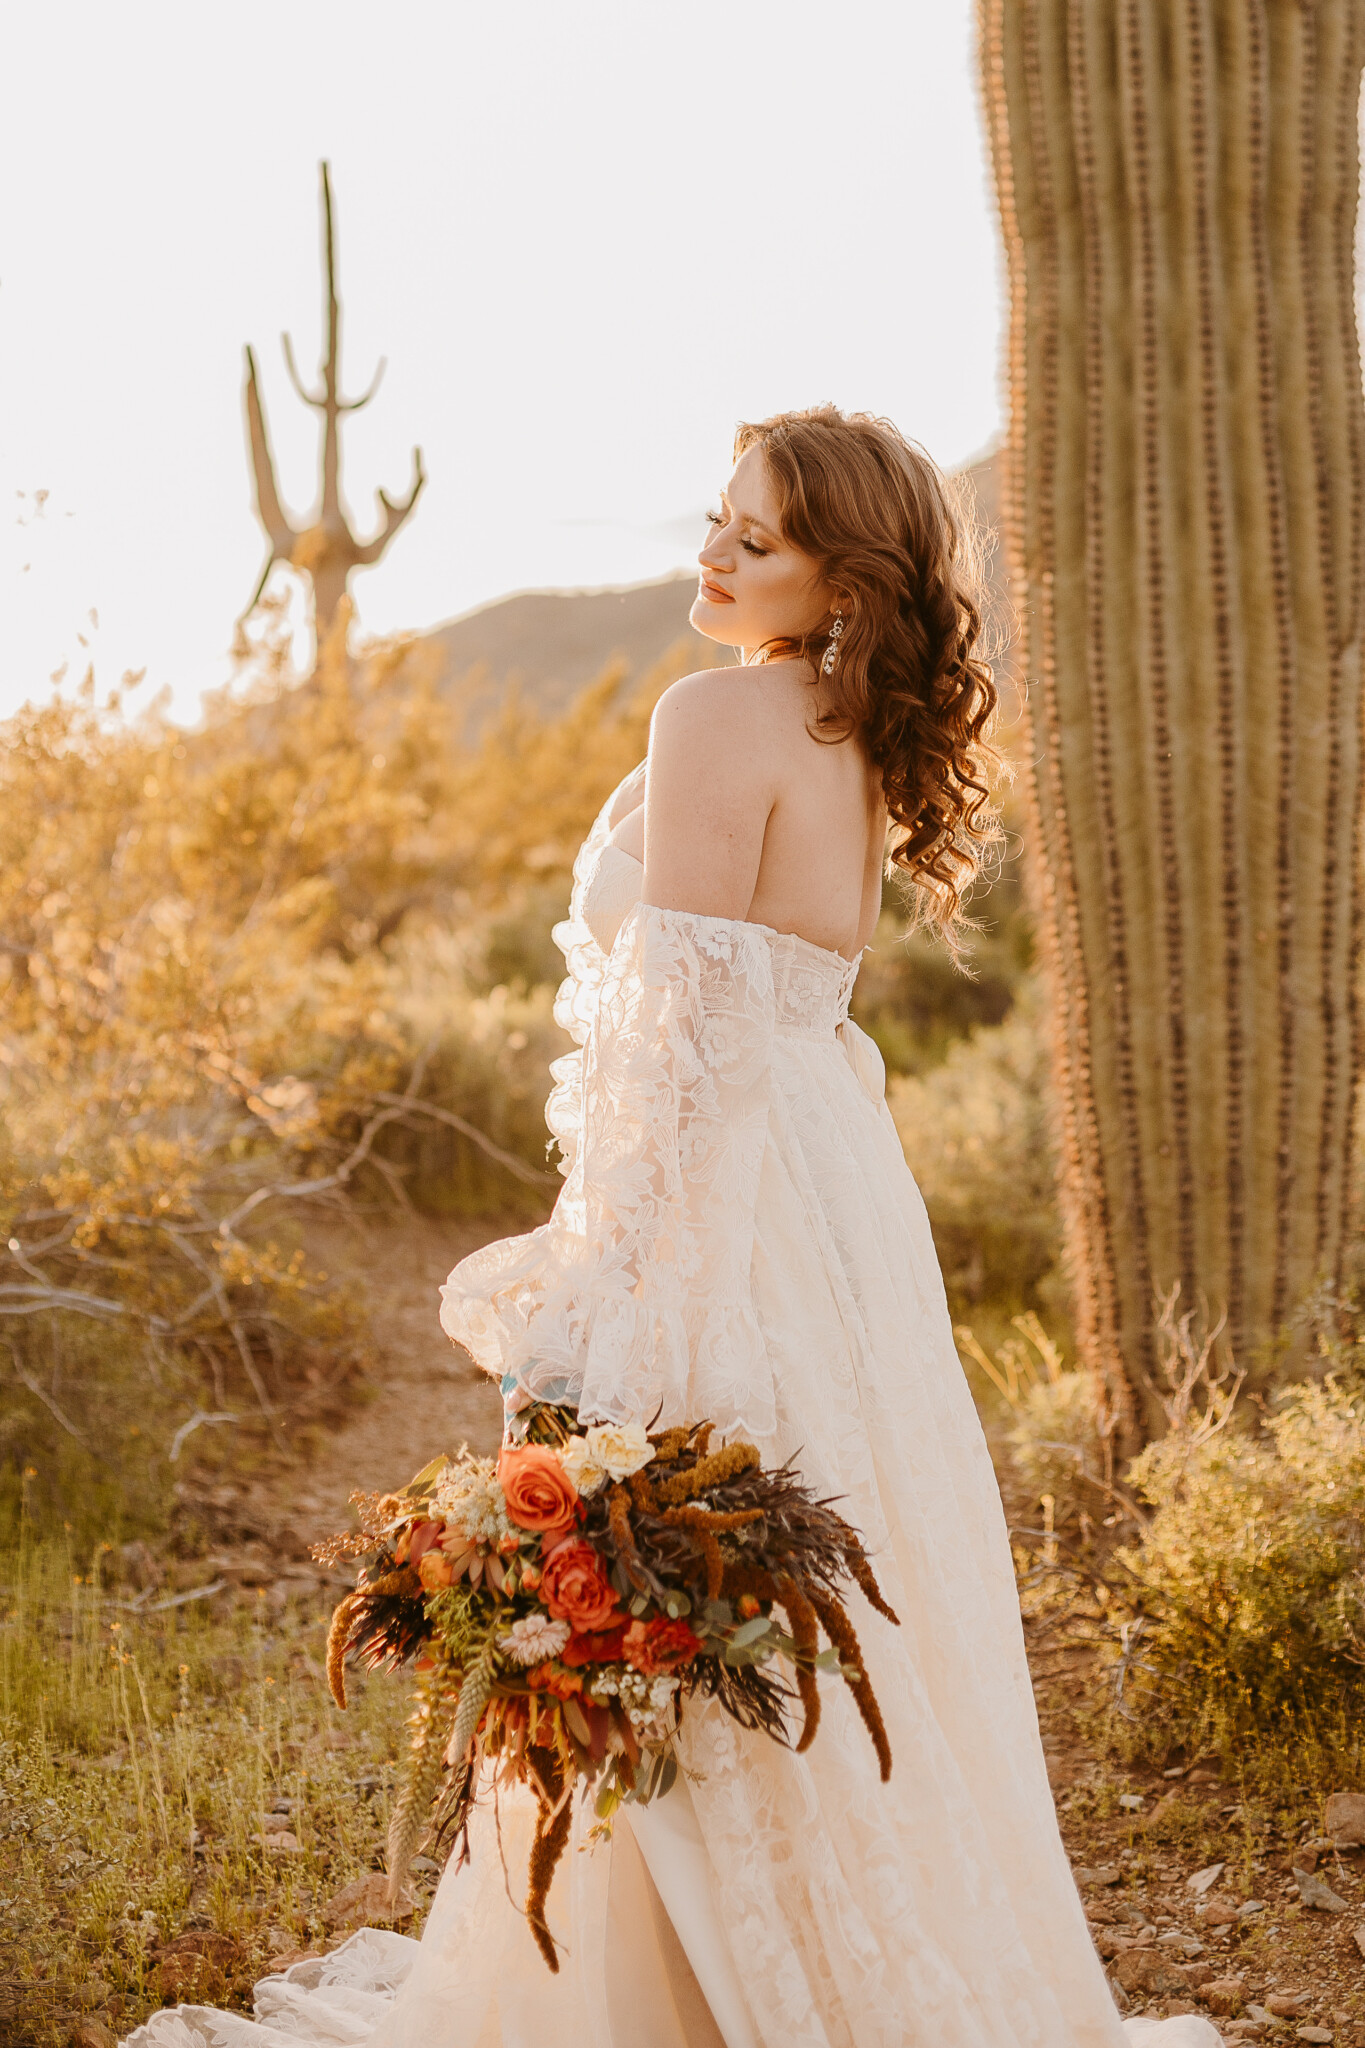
327, 551
1178, 184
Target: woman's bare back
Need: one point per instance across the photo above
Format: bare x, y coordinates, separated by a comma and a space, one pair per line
747, 815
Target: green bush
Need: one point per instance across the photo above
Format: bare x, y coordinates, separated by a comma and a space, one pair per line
1248, 1580
977, 1136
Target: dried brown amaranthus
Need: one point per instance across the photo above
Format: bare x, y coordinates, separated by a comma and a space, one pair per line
552, 1833
806, 1635
712, 1470
844, 1637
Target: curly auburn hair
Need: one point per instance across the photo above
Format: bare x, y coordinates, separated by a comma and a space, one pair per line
881, 521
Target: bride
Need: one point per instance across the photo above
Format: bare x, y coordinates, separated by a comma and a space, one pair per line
739, 1239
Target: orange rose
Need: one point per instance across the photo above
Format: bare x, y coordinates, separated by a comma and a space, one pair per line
575, 1587
435, 1571
540, 1494
658, 1647
551, 1678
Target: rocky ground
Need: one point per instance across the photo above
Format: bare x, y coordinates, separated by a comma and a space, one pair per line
1202, 1899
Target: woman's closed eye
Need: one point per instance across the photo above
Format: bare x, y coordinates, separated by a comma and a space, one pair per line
718, 519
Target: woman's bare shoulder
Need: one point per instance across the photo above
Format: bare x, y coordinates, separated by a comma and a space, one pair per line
715, 730
715, 706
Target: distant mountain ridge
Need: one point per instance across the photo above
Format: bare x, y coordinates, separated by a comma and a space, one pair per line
549, 644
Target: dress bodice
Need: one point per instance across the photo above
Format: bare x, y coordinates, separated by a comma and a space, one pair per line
811, 984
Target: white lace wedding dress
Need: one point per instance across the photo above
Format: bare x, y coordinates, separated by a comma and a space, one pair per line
739, 1238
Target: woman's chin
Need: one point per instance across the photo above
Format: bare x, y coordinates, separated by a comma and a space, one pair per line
713, 619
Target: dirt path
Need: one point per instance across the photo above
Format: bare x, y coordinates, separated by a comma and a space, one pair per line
422, 1395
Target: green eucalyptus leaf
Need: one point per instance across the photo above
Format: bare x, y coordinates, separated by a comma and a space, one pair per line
607, 1800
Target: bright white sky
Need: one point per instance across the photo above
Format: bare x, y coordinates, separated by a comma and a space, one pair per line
589, 235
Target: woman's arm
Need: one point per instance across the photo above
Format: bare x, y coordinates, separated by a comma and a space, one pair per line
709, 793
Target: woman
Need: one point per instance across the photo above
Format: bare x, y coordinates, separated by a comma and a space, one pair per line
739, 1240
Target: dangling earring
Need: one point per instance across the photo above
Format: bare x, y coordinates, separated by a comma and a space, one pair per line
831, 660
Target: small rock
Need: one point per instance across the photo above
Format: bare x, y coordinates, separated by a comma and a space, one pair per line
1142, 1969
1249, 1908
1105, 1873
1322, 2034
366, 1904
425, 1866
1305, 1857
1287, 2005
196, 1967
1197, 1975
281, 1843
287, 1960
276, 1822
1262, 2017
1224, 1995
1204, 1880
1111, 1943
1314, 1892
1131, 1802
1344, 1819
1217, 1913
90, 2033
1358, 1935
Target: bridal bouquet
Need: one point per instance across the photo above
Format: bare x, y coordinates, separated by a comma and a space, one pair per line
562, 1602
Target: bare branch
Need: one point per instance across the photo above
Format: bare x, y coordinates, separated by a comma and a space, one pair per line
30, 1301
41, 1394
530, 1174
198, 1420
394, 515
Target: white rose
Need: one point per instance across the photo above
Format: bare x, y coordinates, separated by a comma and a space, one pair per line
619, 1448
581, 1465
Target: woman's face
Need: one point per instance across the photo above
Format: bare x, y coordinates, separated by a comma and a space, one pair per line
755, 587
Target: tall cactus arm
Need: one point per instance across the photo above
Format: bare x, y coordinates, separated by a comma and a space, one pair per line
279, 533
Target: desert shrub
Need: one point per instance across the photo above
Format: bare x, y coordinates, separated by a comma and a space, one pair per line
1053, 1437
976, 1134
916, 1002
247, 973
1248, 1581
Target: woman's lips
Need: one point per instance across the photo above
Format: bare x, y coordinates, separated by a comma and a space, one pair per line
715, 593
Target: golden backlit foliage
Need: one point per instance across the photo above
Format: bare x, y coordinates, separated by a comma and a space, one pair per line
245, 974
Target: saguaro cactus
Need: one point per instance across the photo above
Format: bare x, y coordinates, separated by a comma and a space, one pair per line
327, 549
1178, 181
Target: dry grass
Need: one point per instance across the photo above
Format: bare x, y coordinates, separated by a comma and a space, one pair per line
141, 1749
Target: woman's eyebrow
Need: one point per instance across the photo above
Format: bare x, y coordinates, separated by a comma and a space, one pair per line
749, 518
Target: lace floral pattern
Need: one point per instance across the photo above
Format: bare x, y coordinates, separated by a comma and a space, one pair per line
634, 1300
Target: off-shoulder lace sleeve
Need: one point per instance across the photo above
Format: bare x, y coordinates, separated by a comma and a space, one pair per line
576, 999
634, 1301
